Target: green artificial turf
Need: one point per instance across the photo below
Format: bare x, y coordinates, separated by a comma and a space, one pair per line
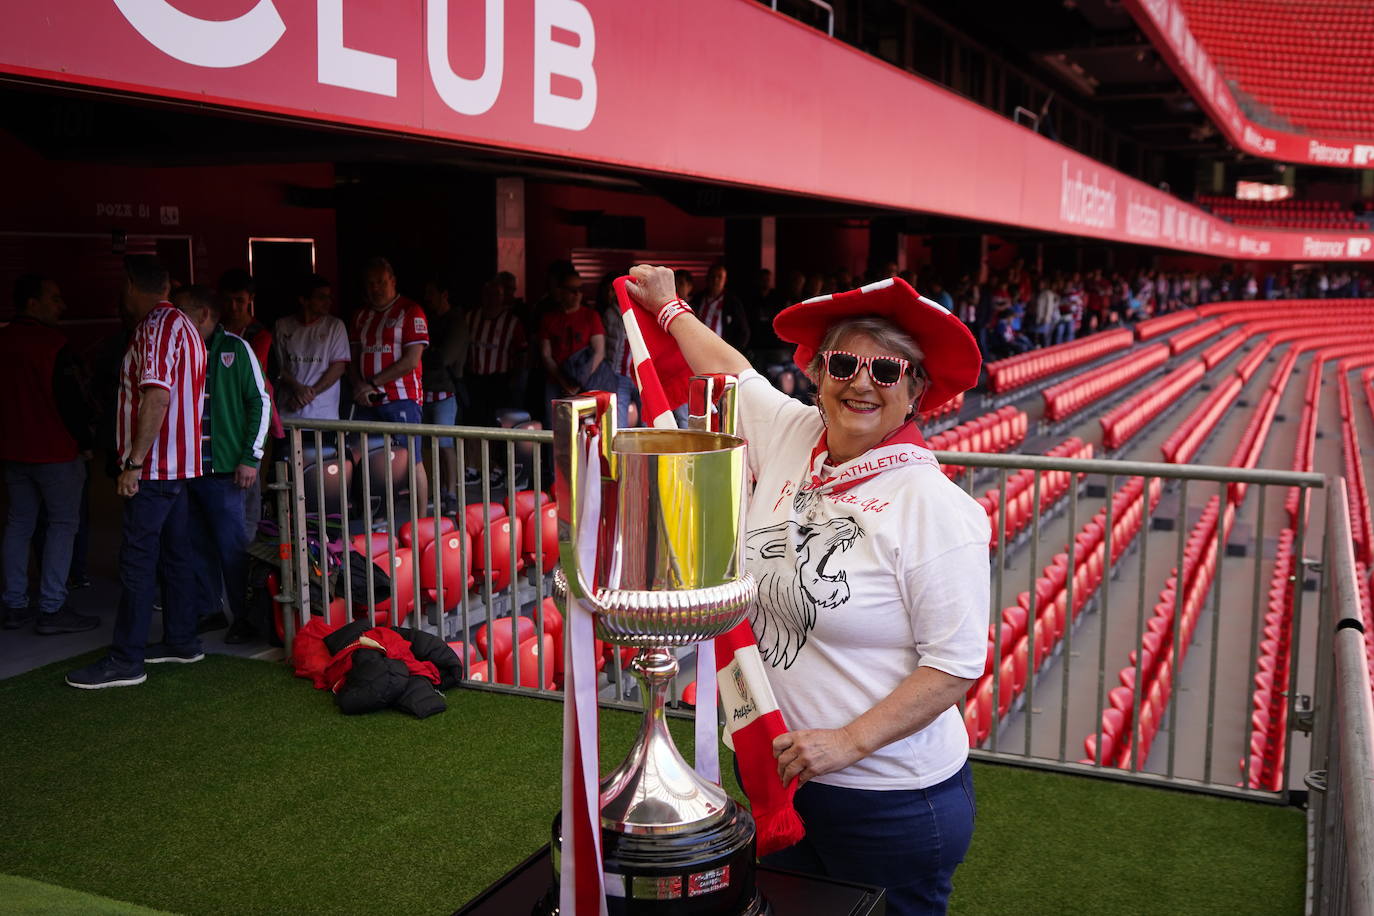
24, 897
230, 787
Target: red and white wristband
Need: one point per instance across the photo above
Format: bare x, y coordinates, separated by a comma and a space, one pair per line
670, 312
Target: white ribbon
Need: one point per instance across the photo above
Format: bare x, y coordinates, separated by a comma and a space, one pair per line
708, 753
579, 698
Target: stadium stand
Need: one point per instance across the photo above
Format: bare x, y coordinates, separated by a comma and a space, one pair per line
1283, 214
1305, 66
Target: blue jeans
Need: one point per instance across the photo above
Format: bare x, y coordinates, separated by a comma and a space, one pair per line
391, 412
441, 413
907, 841
624, 394
1063, 331
156, 528
220, 553
55, 488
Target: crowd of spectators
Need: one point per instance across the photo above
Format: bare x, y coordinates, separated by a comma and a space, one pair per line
1017, 310
186, 399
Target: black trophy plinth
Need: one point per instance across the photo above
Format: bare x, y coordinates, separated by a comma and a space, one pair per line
704, 872
788, 893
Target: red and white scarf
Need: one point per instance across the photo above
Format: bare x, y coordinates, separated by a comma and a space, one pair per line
904, 447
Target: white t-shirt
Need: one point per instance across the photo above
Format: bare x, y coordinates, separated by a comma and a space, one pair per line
306, 351
857, 589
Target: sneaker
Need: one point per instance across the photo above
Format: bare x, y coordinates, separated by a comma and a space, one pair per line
240, 632
65, 620
16, 618
215, 621
76, 582
472, 476
106, 673
160, 652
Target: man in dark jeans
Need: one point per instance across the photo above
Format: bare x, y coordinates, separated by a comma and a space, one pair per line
233, 428
162, 381
46, 440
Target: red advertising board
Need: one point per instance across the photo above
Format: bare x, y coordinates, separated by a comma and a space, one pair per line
759, 100
1167, 26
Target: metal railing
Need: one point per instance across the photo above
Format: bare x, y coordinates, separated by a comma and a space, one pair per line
1203, 734
1208, 719
345, 495
1341, 809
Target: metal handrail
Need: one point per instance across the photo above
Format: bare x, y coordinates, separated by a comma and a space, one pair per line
1349, 727
494, 433
1120, 468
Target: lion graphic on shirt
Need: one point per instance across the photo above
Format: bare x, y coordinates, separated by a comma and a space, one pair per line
797, 569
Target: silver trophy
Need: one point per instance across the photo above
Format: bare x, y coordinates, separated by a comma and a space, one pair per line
673, 568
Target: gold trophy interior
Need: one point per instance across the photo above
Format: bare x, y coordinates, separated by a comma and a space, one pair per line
674, 576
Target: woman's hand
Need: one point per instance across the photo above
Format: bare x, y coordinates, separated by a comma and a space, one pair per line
652, 287
804, 755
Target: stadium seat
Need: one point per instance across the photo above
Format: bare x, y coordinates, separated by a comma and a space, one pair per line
499, 640
505, 562
454, 555
420, 534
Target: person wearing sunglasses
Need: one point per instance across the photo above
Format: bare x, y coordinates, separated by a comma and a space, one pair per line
873, 575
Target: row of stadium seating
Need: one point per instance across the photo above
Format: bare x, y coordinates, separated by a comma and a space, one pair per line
997, 431
1219, 351
457, 560
950, 408
1066, 398
1281, 214
1120, 424
1190, 337
1020, 509
1269, 701
1146, 683
1031, 629
1015, 372
1156, 327
1288, 206
1247, 452
1185, 441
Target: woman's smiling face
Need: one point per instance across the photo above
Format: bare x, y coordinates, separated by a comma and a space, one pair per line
859, 414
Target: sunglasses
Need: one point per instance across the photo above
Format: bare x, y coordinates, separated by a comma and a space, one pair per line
885, 371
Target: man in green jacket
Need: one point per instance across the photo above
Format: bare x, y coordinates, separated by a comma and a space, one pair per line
235, 418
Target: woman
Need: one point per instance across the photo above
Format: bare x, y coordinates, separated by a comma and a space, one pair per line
873, 580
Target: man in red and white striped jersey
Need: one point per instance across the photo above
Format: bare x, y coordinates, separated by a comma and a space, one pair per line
496, 350
388, 338
162, 381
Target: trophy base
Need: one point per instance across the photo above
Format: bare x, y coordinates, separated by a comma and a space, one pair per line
706, 872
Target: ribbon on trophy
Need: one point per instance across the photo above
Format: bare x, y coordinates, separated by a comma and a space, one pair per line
582, 888
663, 376
654, 399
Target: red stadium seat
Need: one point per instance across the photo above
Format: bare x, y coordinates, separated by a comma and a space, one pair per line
421, 532
505, 563
454, 555
547, 528
530, 652
499, 641
475, 515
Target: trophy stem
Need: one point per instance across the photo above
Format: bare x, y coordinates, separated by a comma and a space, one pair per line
654, 668
655, 791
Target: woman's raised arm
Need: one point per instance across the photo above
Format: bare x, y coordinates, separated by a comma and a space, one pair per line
652, 288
